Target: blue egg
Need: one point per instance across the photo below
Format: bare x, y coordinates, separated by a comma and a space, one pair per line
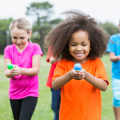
77, 66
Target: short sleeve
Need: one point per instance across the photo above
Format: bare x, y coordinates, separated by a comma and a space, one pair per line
37, 50
59, 70
100, 71
110, 46
7, 53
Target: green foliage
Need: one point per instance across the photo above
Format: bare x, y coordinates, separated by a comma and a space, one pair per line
109, 27
4, 26
42, 12
43, 24
37, 8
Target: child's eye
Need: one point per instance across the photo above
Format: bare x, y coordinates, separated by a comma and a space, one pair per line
22, 37
84, 44
14, 37
73, 45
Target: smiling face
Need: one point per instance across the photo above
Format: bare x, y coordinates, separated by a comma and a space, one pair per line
20, 38
79, 46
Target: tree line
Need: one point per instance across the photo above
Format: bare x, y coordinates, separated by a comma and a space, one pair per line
42, 12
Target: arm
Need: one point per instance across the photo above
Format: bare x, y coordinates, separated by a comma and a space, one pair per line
36, 60
114, 58
98, 83
60, 81
7, 71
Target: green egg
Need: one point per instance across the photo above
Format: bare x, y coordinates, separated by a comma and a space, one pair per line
10, 66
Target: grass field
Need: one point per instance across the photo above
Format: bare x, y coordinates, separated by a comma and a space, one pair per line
43, 109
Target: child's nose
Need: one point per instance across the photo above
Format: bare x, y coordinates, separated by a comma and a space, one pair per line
79, 47
18, 41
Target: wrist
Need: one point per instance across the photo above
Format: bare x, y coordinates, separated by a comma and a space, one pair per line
86, 75
70, 74
20, 72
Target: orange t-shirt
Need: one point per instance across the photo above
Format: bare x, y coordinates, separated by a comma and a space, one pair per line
80, 100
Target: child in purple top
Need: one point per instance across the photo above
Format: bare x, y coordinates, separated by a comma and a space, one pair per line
26, 58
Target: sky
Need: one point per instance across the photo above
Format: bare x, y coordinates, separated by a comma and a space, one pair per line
101, 10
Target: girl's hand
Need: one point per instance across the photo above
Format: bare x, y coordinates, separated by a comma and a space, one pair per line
53, 60
15, 71
78, 75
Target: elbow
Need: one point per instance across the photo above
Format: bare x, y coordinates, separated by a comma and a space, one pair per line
33, 72
54, 86
112, 60
7, 75
36, 72
104, 89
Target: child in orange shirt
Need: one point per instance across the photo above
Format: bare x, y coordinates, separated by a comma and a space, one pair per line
55, 103
79, 39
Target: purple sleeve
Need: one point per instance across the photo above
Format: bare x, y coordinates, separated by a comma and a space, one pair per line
37, 50
7, 53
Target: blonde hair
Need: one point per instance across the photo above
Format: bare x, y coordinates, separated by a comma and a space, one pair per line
21, 23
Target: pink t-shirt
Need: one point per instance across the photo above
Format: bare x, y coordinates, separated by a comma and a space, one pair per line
22, 86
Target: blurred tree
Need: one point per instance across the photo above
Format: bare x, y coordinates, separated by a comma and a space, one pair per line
42, 24
4, 26
109, 27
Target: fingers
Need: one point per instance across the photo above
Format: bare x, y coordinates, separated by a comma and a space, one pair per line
15, 71
78, 75
83, 75
15, 66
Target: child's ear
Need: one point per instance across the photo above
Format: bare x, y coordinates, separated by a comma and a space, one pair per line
30, 33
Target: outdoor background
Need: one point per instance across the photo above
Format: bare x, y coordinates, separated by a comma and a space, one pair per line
42, 16
43, 109
45, 15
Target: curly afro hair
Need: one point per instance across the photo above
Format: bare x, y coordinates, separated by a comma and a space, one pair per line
58, 38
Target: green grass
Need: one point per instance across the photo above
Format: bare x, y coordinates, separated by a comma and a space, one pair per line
43, 109
107, 108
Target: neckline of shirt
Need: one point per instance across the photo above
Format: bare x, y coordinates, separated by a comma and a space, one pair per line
23, 50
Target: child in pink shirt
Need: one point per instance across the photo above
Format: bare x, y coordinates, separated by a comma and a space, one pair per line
26, 58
